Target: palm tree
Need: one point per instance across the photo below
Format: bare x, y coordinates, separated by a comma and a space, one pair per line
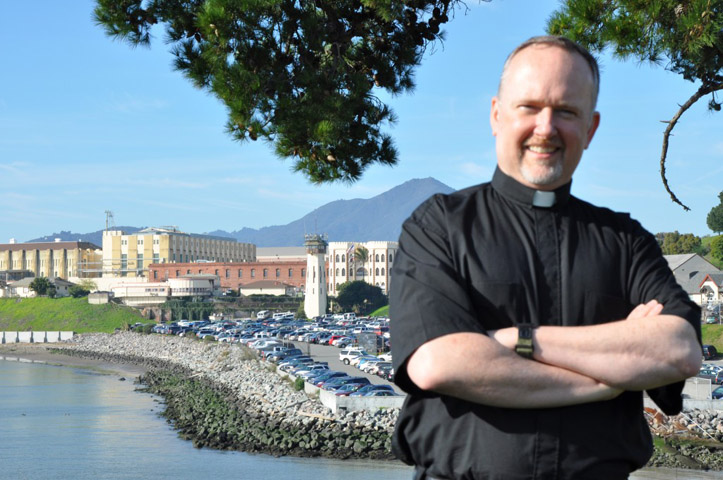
361, 255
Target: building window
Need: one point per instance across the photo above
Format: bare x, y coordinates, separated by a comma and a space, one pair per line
342, 257
376, 271
278, 272
376, 257
390, 258
155, 274
291, 272
266, 272
337, 272
337, 257
228, 273
178, 273
188, 272
382, 271
343, 272
303, 272
382, 257
253, 273
240, 273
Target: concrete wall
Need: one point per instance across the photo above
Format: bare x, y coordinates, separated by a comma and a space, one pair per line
35, 337
331, 401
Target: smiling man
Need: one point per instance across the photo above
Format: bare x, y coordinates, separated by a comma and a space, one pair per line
527, 323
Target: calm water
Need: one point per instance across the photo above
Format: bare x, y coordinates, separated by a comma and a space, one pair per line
66, 423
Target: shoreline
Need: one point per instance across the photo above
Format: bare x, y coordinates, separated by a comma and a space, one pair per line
41, 353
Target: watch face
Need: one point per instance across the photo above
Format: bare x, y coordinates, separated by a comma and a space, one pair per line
525, 332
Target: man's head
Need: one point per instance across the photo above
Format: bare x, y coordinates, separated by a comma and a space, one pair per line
544, 113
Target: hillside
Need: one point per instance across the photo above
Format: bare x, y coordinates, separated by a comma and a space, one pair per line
361, 220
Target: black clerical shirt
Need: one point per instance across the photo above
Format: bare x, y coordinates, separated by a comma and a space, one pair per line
499, 254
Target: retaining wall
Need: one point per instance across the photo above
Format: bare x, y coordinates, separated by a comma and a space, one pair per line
35, 337
352, 404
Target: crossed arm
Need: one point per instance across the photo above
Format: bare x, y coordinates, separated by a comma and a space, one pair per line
571, 365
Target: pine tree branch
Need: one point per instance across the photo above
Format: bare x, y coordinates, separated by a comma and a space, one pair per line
704, 90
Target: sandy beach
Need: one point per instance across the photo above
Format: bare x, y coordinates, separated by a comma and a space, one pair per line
41, 353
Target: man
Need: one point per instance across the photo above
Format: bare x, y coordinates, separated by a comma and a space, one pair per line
526, 323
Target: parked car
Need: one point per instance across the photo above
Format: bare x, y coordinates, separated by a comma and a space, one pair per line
323, 377
381, 393
715, 376
347, 388
347, 354
371, 388
709, 352
335, 383
717, 394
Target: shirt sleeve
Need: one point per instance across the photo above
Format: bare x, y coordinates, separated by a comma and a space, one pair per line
428, 299
653, 279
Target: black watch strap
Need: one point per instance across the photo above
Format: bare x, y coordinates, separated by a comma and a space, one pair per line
524, 346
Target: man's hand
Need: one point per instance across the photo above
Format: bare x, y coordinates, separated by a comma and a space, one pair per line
644, 310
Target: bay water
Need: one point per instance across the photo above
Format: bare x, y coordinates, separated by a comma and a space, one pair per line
76, 424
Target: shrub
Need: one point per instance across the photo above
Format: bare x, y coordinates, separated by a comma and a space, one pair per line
299, 384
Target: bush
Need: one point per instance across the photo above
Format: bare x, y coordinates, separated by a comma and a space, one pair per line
299, 384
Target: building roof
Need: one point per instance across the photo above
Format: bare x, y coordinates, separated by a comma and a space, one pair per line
717, 278
689, 270
280, 252
18, 247
266, 284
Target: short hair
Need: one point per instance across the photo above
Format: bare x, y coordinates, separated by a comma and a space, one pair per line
566, 44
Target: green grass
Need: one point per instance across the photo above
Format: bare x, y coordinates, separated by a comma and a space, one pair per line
713, 335
380, 312
66, 314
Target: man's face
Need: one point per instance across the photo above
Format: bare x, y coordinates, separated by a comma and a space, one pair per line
543, 116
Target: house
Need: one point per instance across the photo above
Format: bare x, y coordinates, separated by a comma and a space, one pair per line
690, 270
711, 288
268, 287
21, 288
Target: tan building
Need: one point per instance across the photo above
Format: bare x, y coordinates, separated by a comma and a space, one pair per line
129, 255
376, 270
49, 259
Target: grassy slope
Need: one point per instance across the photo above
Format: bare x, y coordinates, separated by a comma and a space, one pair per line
74, 314
380, 312
713, 335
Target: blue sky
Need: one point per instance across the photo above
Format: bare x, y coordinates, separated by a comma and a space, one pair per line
89, 124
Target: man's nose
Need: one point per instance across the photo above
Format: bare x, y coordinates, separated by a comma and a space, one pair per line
545, 123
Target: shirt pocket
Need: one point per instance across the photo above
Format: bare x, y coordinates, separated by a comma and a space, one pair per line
603, 308
500, 305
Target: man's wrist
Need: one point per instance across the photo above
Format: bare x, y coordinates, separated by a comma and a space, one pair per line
525, 346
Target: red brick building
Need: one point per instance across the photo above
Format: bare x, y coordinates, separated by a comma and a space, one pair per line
234, 275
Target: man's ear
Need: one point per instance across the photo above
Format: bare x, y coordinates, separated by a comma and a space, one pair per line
494, 114
593, 128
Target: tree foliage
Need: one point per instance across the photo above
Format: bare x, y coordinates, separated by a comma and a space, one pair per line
716, 248
77, 291
360, 297
42, 286
715, 216
685, 37
300, 74
673, 243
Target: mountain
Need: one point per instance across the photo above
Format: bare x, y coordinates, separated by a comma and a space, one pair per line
95, 238
361, 220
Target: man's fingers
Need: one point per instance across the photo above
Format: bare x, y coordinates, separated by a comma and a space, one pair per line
643, 310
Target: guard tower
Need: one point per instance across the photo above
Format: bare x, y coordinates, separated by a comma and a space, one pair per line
315, 295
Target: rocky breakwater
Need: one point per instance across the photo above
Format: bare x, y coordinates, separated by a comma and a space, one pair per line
222, 396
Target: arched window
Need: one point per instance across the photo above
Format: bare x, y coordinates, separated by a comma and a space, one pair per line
337, 257
342, 272
376, 257
342, 258
390, 258
337, 272
382, 257
376, 272
382, 271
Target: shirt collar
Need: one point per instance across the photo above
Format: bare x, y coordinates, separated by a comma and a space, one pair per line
511, 188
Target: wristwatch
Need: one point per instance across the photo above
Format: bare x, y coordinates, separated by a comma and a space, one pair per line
524, 347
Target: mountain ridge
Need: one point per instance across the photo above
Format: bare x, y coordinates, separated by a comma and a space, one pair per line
376, 218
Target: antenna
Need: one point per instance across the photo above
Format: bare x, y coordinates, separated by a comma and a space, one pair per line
109, 220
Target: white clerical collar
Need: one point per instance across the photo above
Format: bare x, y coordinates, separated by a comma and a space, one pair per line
543, 199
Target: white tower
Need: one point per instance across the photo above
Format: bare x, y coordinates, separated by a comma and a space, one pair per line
315, 297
